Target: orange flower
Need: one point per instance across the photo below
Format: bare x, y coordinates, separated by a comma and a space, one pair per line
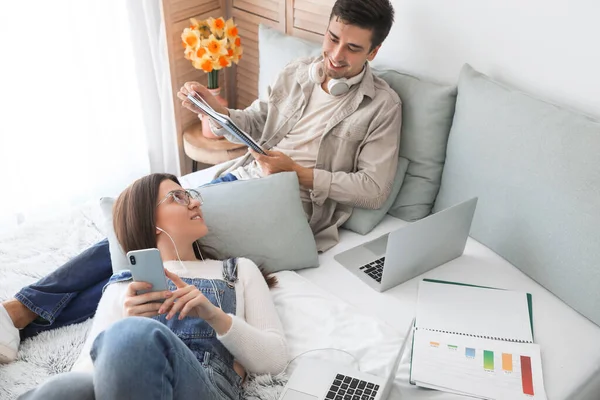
190, 37
219, 23
212, 44
207, 65
215, 47
237, 55
216, 26
231, 30
224, 62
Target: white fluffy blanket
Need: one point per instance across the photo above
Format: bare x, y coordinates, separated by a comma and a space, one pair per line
33, 251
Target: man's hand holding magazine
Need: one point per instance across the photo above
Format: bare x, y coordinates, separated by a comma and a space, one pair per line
190, 87
199, 100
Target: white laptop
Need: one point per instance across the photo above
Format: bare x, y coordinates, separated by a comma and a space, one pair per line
413, 249
324, 380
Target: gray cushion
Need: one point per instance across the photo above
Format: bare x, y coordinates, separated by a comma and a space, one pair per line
427, 111
535, 168
276, 50
261, 219
364, 220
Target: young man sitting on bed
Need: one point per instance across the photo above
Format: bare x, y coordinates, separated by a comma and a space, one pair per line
337, 127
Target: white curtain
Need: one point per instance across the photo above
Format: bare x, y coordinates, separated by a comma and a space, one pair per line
83, 102
150, 54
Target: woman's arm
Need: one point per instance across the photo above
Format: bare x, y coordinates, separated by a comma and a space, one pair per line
257, 342
109, 311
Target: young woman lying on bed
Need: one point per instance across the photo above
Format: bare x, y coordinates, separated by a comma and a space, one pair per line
217, 320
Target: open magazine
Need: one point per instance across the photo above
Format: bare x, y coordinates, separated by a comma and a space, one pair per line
225, 122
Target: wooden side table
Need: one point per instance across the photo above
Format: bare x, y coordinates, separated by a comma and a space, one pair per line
209, 151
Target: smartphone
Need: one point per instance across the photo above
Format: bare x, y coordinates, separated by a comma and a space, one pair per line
146, 266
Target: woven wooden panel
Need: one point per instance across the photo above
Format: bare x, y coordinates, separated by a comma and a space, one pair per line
247, 70
269, 9
180, 10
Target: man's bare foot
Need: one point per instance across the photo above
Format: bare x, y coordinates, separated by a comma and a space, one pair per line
20, 315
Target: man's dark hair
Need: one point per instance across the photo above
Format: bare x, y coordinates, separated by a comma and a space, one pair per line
376, 15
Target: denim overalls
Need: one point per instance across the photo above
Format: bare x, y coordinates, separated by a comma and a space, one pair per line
199, 336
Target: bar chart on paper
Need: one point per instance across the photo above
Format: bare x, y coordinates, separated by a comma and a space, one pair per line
483, 367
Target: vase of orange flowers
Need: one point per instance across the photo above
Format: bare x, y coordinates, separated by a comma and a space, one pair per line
212, 45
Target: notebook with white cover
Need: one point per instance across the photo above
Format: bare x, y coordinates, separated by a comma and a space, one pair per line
225, 122
475, 341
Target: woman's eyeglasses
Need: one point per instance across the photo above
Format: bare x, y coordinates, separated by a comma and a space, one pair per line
183, 197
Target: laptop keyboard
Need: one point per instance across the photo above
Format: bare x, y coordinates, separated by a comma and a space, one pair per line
374, 269
348, 388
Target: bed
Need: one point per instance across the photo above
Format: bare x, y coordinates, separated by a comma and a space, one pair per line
571, 370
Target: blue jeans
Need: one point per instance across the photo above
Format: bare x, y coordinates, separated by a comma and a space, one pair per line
140, 358
72, 292
224, 178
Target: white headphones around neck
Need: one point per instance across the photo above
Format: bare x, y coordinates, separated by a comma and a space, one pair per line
336, 87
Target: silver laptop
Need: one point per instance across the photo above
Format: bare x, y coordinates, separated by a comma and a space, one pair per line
324, 380
413, 249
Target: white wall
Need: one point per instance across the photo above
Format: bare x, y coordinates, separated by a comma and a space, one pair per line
548, 48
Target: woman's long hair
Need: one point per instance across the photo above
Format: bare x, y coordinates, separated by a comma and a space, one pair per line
134, 218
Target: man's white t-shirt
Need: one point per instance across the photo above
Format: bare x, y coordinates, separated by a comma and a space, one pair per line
302, 143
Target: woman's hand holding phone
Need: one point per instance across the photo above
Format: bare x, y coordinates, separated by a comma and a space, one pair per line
188, 300
143, 305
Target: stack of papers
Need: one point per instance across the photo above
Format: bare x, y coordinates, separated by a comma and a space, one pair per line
476, 341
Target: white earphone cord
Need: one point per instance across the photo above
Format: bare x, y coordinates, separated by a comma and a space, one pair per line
325, 348
183, 266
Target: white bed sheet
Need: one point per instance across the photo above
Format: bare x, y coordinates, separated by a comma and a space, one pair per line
570, 343
314, 319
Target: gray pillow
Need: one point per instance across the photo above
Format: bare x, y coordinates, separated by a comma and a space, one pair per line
427, 112
276, 50
261, 219
534, 166
364, 220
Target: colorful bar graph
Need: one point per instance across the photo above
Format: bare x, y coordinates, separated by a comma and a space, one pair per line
488, 360
469, 352
507, 365
526, 375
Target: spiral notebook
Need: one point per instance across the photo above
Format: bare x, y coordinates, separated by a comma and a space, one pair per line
475, 341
